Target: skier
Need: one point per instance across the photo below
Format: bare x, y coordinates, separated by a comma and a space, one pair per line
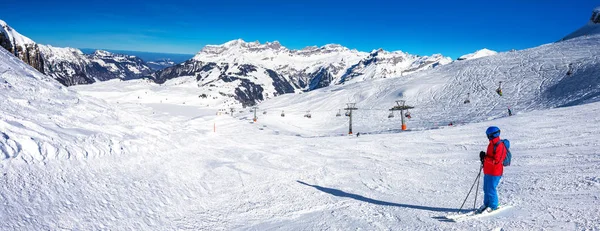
509, 112
492, 169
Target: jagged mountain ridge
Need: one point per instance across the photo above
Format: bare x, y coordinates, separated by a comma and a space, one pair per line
70, 66
285, 70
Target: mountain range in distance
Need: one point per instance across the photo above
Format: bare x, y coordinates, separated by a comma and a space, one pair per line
156, 61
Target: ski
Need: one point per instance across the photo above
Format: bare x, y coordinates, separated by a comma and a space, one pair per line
474, 215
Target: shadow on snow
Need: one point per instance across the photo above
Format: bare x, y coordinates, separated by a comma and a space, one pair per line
340, 193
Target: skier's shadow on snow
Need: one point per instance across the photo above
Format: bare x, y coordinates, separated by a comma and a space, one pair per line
340, 193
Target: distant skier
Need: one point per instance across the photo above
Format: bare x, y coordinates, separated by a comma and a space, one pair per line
493, 167
357, 134
509, 112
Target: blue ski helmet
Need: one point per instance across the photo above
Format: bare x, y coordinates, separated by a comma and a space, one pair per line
492, 132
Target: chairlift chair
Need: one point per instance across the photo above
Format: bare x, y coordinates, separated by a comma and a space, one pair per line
307, 115
391, 115
499, 90
282, 114
338, 113
467, 100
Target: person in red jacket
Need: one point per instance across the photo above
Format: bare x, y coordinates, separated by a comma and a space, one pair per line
492, 169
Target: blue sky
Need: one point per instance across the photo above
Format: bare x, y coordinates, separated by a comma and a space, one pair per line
452, 28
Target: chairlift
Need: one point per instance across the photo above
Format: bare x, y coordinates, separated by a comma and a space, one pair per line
570, 71
467, 100
307, 115
499, 90
391, 115
264, 112
347, 113
282, 114
338, 113
407, 114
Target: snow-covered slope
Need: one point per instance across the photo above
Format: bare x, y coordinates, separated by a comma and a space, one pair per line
478, 54
533, 79
591, 28
69, 65
41, 120
271, 69
255, 176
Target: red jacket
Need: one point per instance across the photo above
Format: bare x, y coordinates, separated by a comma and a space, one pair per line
492, 163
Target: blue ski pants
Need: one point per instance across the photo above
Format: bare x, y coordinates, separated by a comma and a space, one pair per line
490, 194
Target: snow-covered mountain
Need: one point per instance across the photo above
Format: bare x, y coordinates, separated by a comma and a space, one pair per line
42, 120
70, 66
478, 54
384, 64
253, 71
591, 28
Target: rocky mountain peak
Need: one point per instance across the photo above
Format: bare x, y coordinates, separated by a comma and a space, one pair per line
11, 34
591, 28
595, 16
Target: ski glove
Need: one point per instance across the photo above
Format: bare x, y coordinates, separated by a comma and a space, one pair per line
481, 156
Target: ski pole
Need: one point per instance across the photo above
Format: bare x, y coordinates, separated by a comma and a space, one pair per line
477, 189
470, 190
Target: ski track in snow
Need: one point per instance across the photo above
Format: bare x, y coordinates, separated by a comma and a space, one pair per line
295, 173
